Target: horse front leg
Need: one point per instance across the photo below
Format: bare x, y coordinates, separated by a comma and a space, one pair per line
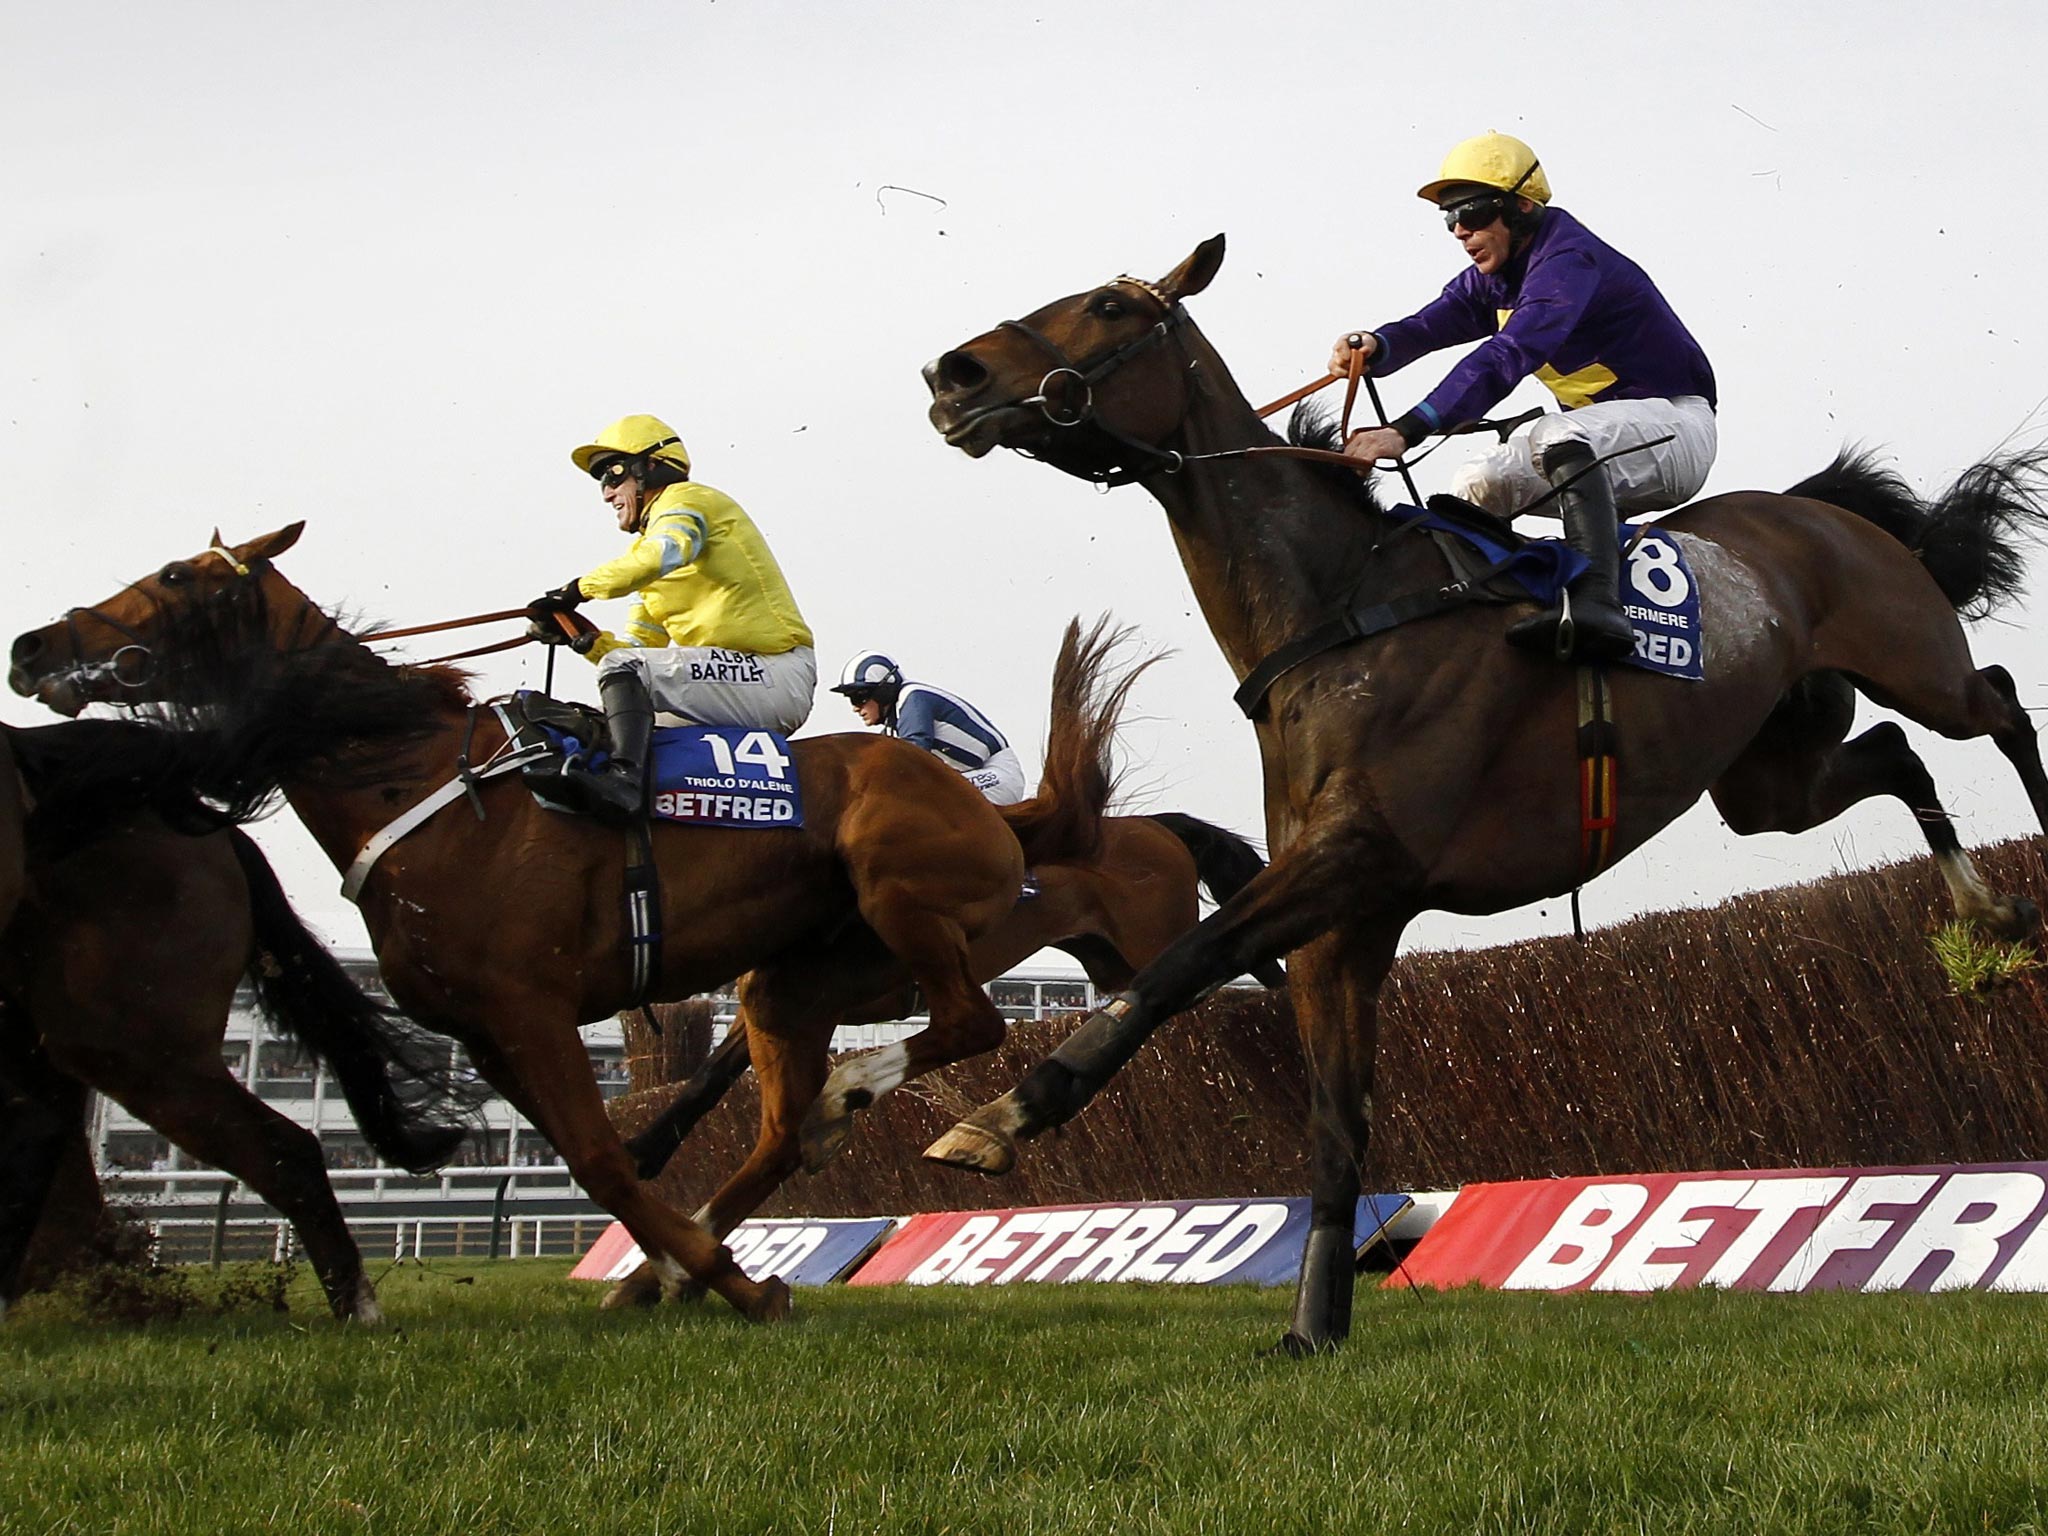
40, 1109
1300, 895
1336, 982
542, 1068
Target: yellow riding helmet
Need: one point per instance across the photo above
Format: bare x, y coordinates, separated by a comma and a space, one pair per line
1491, 160
637, 435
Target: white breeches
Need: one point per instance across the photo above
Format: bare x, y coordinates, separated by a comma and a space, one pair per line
709, 686
1001, 778
1649, 479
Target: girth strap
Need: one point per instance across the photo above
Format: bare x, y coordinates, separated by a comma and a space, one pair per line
1373, 619
413, 819
643, 915
1599, 794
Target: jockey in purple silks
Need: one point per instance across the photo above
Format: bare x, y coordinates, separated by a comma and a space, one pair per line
1547, 298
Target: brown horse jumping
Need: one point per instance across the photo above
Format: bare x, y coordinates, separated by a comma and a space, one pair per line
117, 973
1430, 766
509, 932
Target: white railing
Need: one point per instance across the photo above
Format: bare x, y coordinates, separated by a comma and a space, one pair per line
550, 1179
201, 1239
178, 1202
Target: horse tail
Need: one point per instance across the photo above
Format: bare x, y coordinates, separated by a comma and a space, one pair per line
1225, 864
398, 1081
1062, 823
1969, 538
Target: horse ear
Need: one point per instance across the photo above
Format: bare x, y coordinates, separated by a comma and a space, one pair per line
1194, 274
270, 545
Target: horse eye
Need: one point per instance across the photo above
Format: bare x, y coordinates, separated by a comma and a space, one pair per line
1107, 308
174, 573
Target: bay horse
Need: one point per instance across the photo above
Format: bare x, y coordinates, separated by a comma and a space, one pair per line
506, 927
1114, 912
1432, 767
138, 915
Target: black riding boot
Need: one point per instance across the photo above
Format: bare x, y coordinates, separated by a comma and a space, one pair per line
1598, 631
616, 790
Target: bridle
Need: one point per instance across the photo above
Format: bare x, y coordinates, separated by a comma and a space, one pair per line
1061, 406
138, 647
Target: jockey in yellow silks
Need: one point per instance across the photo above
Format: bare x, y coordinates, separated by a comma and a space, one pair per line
714, 635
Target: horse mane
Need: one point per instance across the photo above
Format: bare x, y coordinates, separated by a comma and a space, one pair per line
317, 708
1316, 424
1969, 538
89, 777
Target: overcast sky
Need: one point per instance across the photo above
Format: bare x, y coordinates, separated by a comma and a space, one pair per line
379, 266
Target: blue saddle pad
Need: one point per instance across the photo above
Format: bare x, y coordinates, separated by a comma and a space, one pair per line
714, 775
1658, 592
725, 776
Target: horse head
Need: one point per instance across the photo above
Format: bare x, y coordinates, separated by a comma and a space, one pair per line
112, 651
1092, 383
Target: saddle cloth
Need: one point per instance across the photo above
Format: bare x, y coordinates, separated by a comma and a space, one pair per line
702, 775
1658, 592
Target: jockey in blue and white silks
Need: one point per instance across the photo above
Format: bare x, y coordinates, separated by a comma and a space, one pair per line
943, 723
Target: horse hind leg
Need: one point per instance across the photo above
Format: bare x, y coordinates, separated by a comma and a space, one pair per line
2016, 738
1784, 785
963, 1023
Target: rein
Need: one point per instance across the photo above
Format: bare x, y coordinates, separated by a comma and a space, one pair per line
1063, 408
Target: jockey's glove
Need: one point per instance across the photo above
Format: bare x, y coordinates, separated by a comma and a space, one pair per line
572, 630
563, 599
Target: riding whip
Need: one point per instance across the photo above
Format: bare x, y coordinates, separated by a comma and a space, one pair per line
1356, 340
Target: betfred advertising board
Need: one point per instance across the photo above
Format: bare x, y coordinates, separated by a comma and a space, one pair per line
801, 1252
1869, 1229
1186, 1242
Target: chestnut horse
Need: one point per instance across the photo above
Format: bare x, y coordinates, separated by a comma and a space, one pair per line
1432, 767
1114, 912
507, 927
119, 966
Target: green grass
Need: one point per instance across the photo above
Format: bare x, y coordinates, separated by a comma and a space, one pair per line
511, 1405
1975, 963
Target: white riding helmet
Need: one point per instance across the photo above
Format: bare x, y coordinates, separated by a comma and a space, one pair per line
870, 672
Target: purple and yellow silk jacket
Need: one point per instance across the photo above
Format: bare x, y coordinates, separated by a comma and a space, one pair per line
1568, 308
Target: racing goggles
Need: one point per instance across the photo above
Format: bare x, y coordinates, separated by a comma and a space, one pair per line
1476, 213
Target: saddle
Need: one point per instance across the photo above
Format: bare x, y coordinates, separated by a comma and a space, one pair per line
698, 775
1471, 529
557, 733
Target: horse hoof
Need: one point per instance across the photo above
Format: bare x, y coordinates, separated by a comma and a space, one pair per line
773, 1306
2024, 921
647, 1161
685, 1292
822, 1140
1293, 1346
977, 1150
642, 1288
